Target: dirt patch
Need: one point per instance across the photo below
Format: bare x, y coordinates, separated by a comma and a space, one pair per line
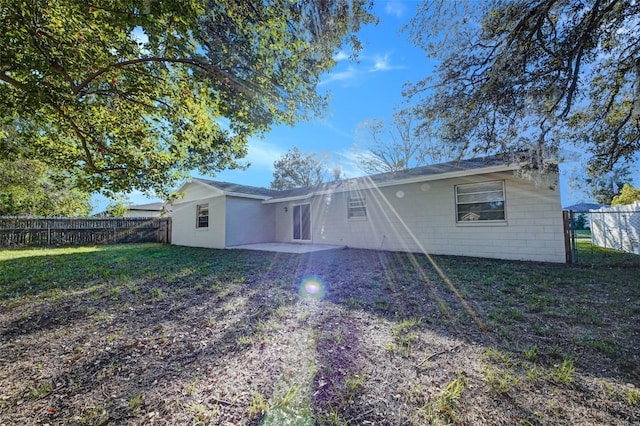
345, 337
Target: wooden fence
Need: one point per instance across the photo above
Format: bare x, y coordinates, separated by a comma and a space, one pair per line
57, 231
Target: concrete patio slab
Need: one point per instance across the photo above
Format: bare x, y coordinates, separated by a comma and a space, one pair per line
289, 247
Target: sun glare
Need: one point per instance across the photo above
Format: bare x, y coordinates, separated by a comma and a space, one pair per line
312, 288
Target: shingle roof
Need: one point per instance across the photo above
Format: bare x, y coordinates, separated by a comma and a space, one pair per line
150, 206
584, 207
377, 179
239, 189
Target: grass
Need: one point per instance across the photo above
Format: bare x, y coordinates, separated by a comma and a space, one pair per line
132, 330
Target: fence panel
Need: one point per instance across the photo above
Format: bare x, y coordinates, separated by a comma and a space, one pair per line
56, 231
617, 227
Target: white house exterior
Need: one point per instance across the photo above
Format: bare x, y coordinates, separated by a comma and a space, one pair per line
147, 210
469, 208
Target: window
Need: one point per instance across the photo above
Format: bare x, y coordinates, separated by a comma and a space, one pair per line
202, 216
480, 201
357, 207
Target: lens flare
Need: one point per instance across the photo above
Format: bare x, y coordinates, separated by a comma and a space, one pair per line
311, 288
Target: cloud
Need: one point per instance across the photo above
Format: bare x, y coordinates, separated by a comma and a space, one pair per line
341, 56
345, 75
262, 154
375, 63
383, 63
380, 63
396, 8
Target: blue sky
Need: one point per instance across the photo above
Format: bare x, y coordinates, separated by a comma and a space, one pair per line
363, 90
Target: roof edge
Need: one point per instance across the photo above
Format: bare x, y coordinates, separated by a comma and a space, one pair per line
425, 178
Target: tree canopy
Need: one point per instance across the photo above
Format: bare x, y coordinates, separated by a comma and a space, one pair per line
129, 95
628, 195
603, 187
28, 187
518, 75
296, 170
396, 145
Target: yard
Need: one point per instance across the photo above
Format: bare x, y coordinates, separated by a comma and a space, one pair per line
153, 334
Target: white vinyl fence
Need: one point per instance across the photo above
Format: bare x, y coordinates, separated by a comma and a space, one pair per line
617, 227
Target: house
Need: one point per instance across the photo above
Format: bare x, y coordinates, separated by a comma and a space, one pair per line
584, 209
147, 210
476, 207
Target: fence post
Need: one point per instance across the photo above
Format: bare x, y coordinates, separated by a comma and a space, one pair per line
568, 246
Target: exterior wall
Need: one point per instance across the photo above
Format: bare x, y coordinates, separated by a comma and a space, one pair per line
142, 213
184, 231
420, 217
249, 221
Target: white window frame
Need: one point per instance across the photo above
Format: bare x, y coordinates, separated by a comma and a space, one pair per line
199, 209
357, 203
473, 195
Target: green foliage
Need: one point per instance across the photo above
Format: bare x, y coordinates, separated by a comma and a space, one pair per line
580, 222
258, 405
602, 186
628, 195
295, 170
531, 353
118, 207
126, 94
519, 75
28, 187
564, 372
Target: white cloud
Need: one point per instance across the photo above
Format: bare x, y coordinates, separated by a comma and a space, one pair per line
380, 63
383, 63
262, 154
341, 56
375, 63
396, 8
345, 75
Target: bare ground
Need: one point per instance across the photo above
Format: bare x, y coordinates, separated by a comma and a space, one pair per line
373, 338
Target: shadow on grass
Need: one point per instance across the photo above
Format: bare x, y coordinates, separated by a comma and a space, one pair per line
108, 325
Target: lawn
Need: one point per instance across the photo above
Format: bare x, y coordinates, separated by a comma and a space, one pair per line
152, 334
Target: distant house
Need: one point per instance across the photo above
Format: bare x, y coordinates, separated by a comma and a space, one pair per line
148, 210
584, 207
476, 207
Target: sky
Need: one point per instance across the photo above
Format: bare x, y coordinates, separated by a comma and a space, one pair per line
370, 88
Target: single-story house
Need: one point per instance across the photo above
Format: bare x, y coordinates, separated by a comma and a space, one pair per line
584, 209
148, 210
476, 207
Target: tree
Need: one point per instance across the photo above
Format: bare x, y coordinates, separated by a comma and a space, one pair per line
628, 195
125, 94
518, 75
295, 170
603, 188
580, 222
29, 188
396, 146
117, 208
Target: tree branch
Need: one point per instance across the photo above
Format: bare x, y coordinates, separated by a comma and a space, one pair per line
77, 89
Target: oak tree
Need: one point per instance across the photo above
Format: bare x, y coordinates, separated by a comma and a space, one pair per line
397, 145
532, 75
126, 94
296, 169
30, 188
